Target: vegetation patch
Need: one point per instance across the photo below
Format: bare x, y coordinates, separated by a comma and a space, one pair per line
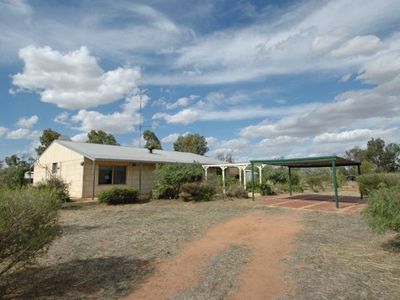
371, 182
338, 257
117, 195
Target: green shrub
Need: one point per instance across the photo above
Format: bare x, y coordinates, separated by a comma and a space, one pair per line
370, 182
265, 189
236, 191
118, 195
170, 177
256, 187
315, 182
28, 224
383, 210
195, 191
280, 176
58, 186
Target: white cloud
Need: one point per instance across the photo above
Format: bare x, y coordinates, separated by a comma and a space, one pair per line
207, 113
120, 122
22, 133
382, 69
345, 77
72, 80
62, 118
80, 137
359, 45
171, 138
181, 102
28, 122
350, 136
3, 131
296, 42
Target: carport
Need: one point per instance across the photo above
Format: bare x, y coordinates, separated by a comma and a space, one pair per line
308, 162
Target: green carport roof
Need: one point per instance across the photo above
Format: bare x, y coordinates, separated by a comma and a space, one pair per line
308, 162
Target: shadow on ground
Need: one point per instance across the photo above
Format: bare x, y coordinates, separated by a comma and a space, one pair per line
110, 277
393, 245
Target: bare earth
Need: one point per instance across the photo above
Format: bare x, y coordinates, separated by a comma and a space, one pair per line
269, 238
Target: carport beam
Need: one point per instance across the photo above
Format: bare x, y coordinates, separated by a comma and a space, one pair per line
290, 181
335, 182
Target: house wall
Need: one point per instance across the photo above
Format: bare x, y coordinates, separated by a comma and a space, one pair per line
69, 167
132, 177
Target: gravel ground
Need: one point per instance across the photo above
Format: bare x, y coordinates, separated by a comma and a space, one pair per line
105, 251
220, 277
338, 257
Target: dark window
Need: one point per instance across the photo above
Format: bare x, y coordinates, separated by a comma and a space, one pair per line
105, 175
112, 175
119, 175
54, 168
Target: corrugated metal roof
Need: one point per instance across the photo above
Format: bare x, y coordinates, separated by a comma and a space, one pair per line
122, 153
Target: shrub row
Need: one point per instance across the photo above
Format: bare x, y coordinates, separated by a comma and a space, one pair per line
118, 195
195, 191
57, 186
370, 182
383, 210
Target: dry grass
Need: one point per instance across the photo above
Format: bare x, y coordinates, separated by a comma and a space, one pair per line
106, 251
338, 257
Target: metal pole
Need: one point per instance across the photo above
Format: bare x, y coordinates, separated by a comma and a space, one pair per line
240, 175
359, 173
252, 181
94, 178
335, 182
223, 180
140, 139
260, 174
290, 181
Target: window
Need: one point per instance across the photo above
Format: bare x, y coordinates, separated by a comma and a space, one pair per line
54, 168
112, 175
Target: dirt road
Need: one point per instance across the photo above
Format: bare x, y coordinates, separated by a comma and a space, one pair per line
268, 236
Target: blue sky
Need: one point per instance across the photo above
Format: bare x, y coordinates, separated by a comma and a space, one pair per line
256, 78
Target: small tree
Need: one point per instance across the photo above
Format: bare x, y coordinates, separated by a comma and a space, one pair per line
170, 177
28, 224
101, 137
48, 136
13, 176
152, 141
193, 143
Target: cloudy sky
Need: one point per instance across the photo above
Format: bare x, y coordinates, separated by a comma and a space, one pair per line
260, 79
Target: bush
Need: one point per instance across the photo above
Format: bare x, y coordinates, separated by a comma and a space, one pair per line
383, 210
28, 224
370, 182
316, 182
170, 177
265, 189
280, 176
118, 195
197, 191
58, 186
236, 191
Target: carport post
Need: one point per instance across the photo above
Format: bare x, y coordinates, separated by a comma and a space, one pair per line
359, 173
252, 181
335, 182
290, 181
94, 178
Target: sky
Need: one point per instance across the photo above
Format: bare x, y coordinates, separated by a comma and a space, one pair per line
258, 79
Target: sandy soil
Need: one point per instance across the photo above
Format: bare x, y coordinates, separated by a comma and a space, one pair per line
268, 236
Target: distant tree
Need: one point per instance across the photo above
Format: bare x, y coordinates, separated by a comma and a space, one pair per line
226, 156
152, 141
101, 137
194, 143
377, 156
48, 136
13, 175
